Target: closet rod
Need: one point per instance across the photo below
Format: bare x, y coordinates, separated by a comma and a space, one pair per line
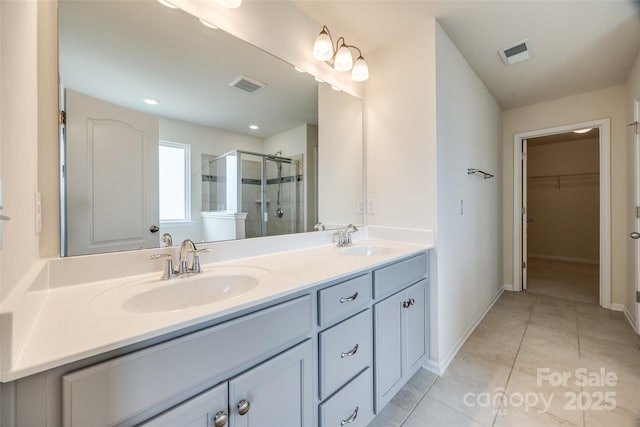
562, 175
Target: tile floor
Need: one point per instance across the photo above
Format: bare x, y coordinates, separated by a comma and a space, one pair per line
504, 374
576, 281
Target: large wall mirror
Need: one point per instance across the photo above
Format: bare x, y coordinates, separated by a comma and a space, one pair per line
177, 130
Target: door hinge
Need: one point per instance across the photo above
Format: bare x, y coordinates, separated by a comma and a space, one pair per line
524, 264
62, 118
637, 296
637, 211
636, 127
523, 210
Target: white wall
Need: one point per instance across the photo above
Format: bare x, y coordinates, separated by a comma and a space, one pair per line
203, 140
339, 149
600, 104
469, 252
18, 139
400, 123
632, 94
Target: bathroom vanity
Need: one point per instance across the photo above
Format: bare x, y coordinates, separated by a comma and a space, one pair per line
325, 344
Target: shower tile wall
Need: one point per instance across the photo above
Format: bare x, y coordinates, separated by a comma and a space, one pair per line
251, 197
214, 191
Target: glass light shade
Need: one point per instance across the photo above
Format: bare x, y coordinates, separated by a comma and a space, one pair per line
323, 47
343, 60
231, 4
360, 71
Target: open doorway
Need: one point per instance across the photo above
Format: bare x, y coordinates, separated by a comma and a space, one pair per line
521, 213
563, 218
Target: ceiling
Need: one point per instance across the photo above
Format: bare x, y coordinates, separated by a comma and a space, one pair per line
576, 46
125, 51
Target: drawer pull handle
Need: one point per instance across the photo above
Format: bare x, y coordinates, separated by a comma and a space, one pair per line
349, 299
351, 352
243, 407
220, 419
352, 418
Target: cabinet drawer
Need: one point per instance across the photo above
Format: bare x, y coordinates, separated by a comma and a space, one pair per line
345, 350
397, 276
351, 406
111, 392
344, 298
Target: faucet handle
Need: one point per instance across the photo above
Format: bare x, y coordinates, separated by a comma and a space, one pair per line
196, 259
168, 272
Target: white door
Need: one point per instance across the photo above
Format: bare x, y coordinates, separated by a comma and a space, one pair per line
634, 234
111, 171
524, 221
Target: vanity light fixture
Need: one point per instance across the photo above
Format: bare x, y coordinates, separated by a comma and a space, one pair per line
167, 4
207, 24
151, 101
340, 57
230, 4
582, 130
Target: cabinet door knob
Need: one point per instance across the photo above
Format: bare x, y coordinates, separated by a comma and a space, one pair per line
352, 418
406, 304
349, 299
220, 419
412, 301
351, 352
243, 407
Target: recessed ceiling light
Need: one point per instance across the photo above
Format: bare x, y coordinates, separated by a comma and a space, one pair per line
168, 4
298, 69
151, 101
582, 130
208, 24
336, 88
319, 80
254, 127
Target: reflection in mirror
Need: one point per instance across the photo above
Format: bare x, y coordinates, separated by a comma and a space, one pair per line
157, 139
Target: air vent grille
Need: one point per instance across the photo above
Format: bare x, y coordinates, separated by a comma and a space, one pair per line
515, 53
247, 84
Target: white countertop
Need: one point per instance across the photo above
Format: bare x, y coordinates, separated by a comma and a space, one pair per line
73, 322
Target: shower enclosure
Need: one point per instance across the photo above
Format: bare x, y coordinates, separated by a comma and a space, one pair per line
265, 187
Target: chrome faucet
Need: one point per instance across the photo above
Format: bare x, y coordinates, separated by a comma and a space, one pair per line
186, 248
184, 266
344, 235
319, 226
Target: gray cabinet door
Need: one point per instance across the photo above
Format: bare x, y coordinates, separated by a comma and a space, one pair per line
388, 344
416, 325
277, 393
202, 410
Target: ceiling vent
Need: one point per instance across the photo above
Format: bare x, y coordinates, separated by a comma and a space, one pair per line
246, 84
515, 53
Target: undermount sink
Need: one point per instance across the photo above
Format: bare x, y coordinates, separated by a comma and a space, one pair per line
181, 293
365, 250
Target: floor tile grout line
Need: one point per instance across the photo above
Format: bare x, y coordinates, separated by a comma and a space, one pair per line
453, 409
495, 418
418, 403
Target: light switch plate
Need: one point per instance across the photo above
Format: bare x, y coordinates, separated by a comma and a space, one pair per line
38, 211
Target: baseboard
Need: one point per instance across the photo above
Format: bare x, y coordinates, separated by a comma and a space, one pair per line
440, 367
617, 307
508, 287
633, 324
564, 259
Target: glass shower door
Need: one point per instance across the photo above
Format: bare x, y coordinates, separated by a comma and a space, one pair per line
281, 186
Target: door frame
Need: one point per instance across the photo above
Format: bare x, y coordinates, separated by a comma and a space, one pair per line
604, 126
636, 192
